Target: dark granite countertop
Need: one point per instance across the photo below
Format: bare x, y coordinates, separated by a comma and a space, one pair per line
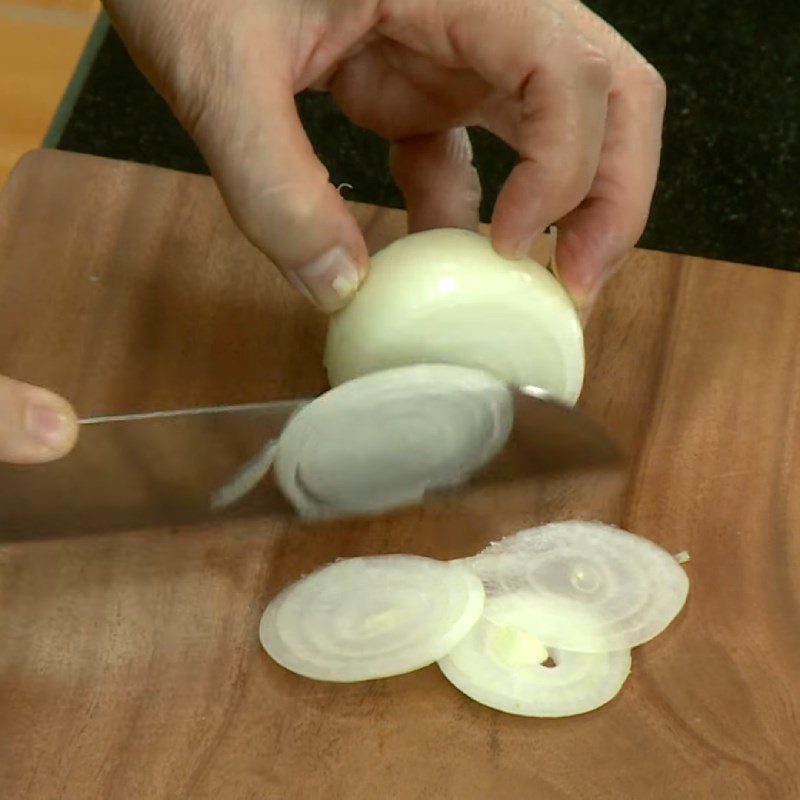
729, 186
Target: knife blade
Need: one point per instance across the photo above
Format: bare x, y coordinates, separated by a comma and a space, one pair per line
174, 468
140, 470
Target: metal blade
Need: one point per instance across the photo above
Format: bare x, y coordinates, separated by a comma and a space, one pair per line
550, 437
175, 468
143, 470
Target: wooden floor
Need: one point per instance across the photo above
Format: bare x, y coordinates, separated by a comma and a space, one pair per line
40, 44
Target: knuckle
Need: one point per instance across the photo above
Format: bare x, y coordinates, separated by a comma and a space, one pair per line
294, 206
651, 81
576, 189
569, 178
636, 224
578, 182
354, 91
302, 207
631, 218
594, 66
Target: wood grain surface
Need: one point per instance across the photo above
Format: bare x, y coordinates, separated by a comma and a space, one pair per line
130, 665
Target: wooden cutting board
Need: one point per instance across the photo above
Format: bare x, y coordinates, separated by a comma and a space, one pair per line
130, 665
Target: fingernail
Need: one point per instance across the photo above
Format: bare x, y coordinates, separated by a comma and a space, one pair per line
523, 249
47, 426
328, 281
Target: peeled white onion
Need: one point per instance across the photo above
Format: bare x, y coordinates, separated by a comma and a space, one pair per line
387, 439
588, 586
446, 296
499, 665
365, 618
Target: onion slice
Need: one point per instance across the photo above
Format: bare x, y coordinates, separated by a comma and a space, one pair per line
499, 666
371, 617
591, 587
387, 439
246, 478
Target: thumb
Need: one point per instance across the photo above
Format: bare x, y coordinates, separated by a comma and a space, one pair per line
275, 187
35, 424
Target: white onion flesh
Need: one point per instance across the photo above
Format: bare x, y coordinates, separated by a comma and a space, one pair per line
372, 617
387, 439
590, 587
446, 296
487, 666
246, 478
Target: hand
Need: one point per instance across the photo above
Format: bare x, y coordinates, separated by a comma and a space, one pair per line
580, 105
35, 424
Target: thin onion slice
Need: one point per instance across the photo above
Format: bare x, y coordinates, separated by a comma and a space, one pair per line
372, 617
591, 587
246, 478
446, 296
389, 438
490, 666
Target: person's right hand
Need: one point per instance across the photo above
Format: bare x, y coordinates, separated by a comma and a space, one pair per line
35, 424
581, 107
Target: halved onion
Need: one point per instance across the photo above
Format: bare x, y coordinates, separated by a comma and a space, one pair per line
591, 587
371, 617
387, 439
499, 665
446, 296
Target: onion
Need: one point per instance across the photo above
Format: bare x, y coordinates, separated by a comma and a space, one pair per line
589, 587
465, 324
500, 667
246, 478
446, 296
577, 594
372, 617
387, 439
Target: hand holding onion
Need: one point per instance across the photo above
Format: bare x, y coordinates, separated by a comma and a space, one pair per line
580, 105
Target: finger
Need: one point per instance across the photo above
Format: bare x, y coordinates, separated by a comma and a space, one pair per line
399, 93
276, 189
528, 51
35, 424
436, 176
595, 236
561, 129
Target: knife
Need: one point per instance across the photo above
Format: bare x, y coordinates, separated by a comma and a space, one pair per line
175, 468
